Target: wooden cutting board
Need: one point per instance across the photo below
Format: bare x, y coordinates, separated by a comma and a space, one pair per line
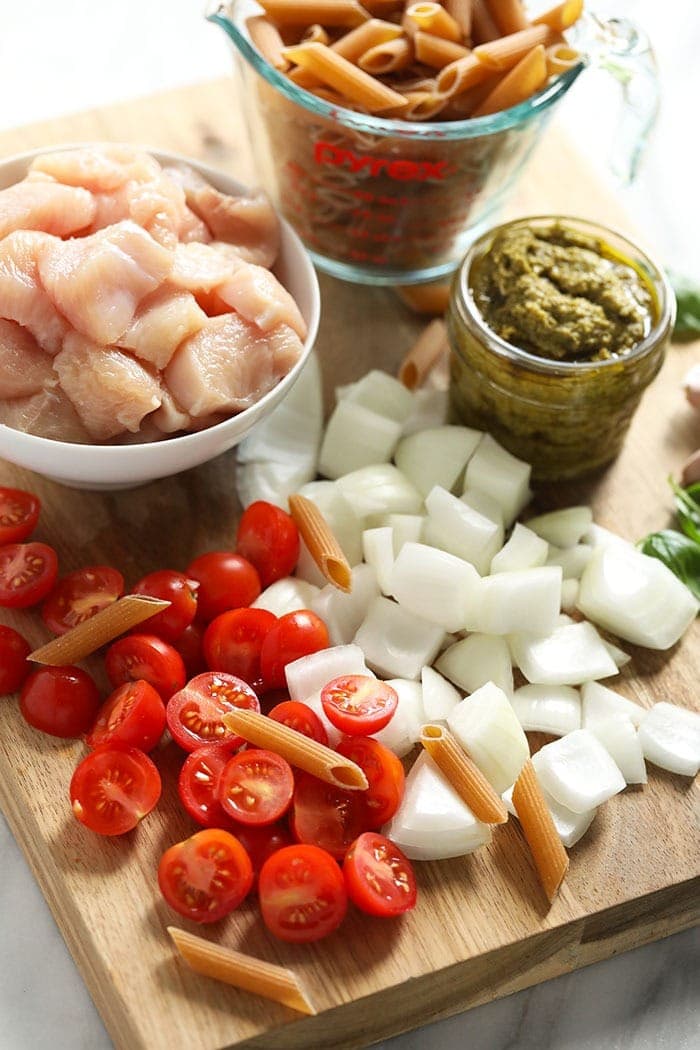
482, 928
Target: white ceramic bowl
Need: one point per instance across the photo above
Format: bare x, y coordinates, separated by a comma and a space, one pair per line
124, 466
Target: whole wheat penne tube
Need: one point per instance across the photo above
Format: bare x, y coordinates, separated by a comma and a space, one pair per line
101, 628
460, 75
420, 359
424, 298
547, 851
384, 7
304, 79
242, 971
465, 777
483, 26
505, 53
299, 750
560, 58
387, 58
435, 51
462, 106
518, 84
344, 77
306, 12
266, 38
316, 34
420, 105
358, 41
432, 18
461, 11
321, 542
509, 15
562, 16
424, 84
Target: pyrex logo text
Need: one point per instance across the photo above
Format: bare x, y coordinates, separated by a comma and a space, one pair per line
401, 170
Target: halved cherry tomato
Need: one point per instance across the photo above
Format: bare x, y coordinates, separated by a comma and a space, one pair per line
62, 701
143, 656
14, 650
379, 877
233, 642
198, 785
175, 588
27, 573
19, 513
327, 816
261, 841
189, 646
294, 635
226, 581
384, 773
256, 786
80, 595
206, 876
132, 716
358, 705
268, 537
195, 713
302, 894
113, 789
299, 716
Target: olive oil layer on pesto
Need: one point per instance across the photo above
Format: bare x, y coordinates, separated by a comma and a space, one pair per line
561, 294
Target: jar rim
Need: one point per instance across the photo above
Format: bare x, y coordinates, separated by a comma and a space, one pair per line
473, 318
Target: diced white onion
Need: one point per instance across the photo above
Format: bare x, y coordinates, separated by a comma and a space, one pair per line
554, 709
286, 595
476, 660
310, 673
435, 585
482, 503
356, 437
573, 560
380, 489
403, 731
407, 528
307, 570
562, 528
383, 394
273, 481
524, 550
396, 643
670, 738
460, 530
429, 410
598, 536
620, 657
439, 696
378, 550
636, 597
570, 826
343, 613
436, 456
339, 514
619, 738
486, 725
525, 600
500, 474
569, 597
577, 771
600, 703
570, 655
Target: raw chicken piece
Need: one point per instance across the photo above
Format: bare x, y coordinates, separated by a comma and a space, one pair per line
48, 414
45, 205
248, 222
192, 228
201, 267
229, 365
162, 321
22, 297
100, 168
99, 281
170, 418
256, 294
24, 368
110, 390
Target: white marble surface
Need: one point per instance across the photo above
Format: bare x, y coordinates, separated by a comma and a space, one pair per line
83, 53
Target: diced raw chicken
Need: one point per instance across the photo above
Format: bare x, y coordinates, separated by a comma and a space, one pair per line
192, 228
229, 365
162, 321
99, 281
22, 297
201, 267
45, 205
170, 418
99, 168
256, 294
48, 414
110, 390
24, 368
250, 223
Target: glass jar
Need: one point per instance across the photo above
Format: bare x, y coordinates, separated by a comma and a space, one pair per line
566, 418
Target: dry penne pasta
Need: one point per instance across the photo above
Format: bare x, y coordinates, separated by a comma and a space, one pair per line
560, 58
546, 848
242, 971
316, 34
435, 51
562, 16
305, 12
506, 52
520, 83
103, 627
465, 777
483, 26
384, 7
344, 77
421, 105
321, 542
358, 41
266, 38
462, 106
299, 750
387, 58
423, 299
509, 15
426, 350
461, 11
432, 18
462, 74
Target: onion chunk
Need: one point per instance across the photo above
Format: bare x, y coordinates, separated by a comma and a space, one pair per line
436, 585
472, 662
436, 456
486, 726
670, 738
554, 709
578, 772
572, 654
396, 642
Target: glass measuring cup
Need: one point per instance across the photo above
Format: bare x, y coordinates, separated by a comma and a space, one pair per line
384, 201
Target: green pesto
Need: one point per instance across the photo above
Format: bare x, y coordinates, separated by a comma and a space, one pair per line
561, 294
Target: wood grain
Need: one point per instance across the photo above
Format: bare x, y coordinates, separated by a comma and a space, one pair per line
482, 928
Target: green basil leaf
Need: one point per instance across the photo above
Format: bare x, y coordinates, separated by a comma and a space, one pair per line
687, 294
678, 553
688, 507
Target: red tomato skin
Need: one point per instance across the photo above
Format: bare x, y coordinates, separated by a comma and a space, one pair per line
299, 716
198, 783
61, 701
175, 588
19, 513
132, 716
203, 852
358, 705
326, 816
144, 656
384, 772
302, 894
131, 770
226, 581
247, 770
194, 713
233, 643
14, 668
261, 841
189, 646
379, 877
268, 537
294, 635
80, 595
28, 571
